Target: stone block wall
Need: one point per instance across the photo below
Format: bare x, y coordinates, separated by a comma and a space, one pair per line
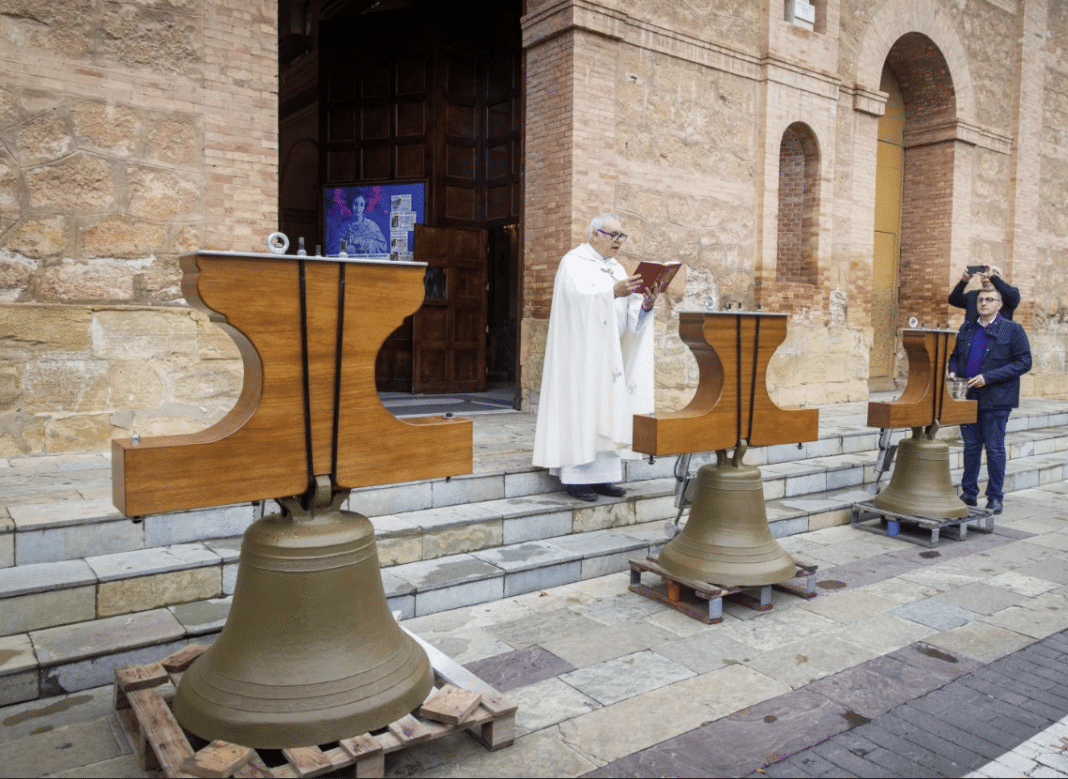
73, 377
130, 132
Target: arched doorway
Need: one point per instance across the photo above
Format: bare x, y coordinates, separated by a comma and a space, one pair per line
417, 92
914, 198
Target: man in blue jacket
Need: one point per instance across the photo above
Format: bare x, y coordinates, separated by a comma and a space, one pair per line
992, 353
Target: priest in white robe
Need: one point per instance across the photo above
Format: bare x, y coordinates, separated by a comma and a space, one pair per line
598, 370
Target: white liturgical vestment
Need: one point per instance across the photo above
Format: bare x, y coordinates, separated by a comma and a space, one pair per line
598, 369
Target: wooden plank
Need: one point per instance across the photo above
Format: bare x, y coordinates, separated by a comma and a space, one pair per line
136, 677
164, 735
183, 658
308, 761
361, 746
135, 735
254, 769
451, 705
217, 760
367, 754
409, 730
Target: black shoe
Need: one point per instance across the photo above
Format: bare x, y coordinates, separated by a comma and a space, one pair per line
968, 501
994, 505
581, 492
611, 490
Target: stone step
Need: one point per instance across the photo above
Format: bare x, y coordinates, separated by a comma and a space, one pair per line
41, 660
65, 624
426, 519
801, 495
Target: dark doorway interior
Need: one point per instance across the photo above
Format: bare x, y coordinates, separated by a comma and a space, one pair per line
413, 90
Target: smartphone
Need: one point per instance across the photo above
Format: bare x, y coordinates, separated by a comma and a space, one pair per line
976, 269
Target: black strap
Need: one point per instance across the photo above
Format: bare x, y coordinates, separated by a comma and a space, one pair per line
305, 376
338, 348
738, 373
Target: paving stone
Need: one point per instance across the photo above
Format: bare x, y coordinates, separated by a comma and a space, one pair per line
468, 647
537, 628
626, 677
60, 749
519, 668
628, 607
1036, 623
745, 740
935, 614
544, 753
804, 662
627, 727
980, 598
877, 686
548, 702
847, 607
606, 642
706, 651
777, 628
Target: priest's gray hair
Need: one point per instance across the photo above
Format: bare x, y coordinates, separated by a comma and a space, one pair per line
598, 222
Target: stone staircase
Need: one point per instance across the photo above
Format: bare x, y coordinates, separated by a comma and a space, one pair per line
84, 590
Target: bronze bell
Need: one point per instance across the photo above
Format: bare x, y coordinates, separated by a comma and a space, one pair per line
310, 653
921, 484
726, 539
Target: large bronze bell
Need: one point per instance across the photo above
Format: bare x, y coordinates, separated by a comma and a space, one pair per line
921, 485
310, 653
726, 539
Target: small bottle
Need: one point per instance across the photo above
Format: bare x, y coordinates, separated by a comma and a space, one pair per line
300, 251
318, 250
342, 253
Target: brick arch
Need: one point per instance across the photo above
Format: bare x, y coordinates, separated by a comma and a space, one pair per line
799, 200
897, 19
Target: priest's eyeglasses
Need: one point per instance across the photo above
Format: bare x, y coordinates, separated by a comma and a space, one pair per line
616, 236
987, 300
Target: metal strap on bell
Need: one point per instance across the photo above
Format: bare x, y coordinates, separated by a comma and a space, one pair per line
310, 653
921, 485
726, 539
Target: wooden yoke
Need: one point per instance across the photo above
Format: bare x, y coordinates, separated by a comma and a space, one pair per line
731, 402
926, 398
292, 423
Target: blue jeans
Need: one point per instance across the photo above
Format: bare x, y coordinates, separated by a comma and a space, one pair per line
987, 432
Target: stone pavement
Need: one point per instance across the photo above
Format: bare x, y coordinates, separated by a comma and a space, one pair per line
912, 661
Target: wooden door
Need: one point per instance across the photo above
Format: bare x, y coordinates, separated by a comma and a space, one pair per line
449, 331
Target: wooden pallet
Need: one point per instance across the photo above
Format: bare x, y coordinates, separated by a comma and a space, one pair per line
461, 701
869, 517
686, 596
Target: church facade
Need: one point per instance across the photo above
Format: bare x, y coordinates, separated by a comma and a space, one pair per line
841, 161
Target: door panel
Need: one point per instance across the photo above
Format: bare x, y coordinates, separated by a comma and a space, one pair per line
449, 336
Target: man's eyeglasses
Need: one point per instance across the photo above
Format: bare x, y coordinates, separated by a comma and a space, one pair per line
988, 300
616, 236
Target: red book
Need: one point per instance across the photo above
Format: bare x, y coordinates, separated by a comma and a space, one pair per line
656, 274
